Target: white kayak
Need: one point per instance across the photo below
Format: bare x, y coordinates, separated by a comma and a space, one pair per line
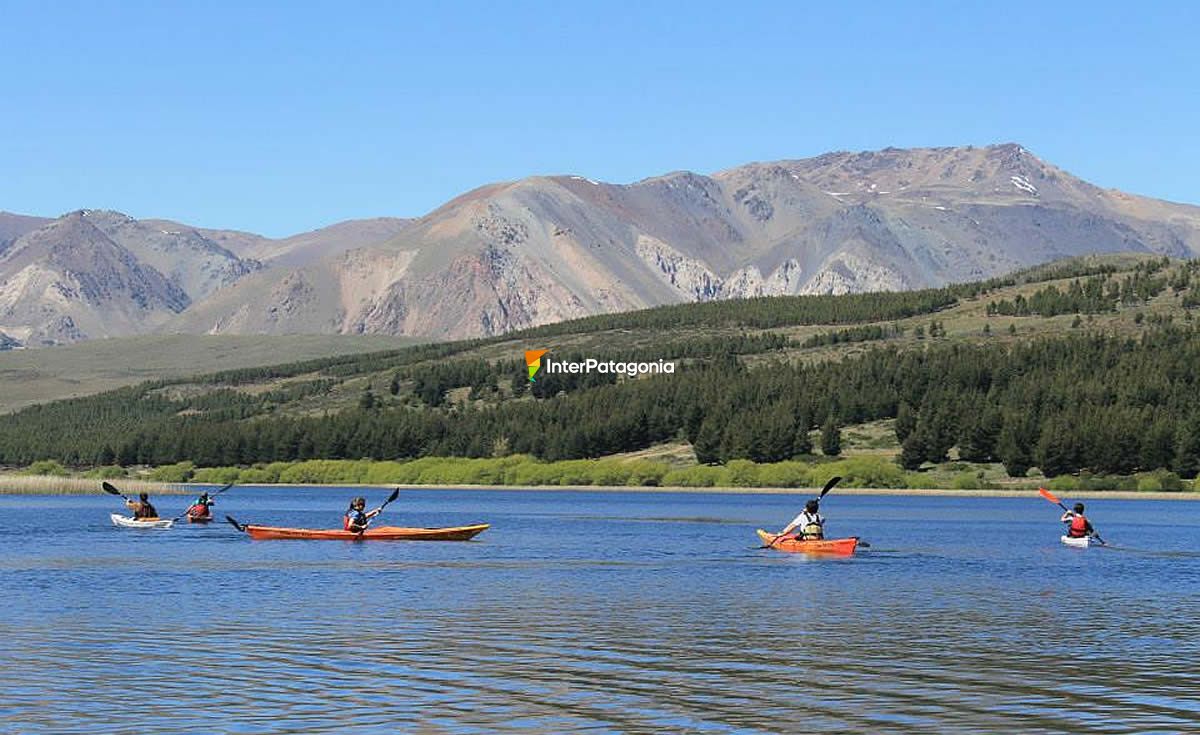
1079, 543
127, 522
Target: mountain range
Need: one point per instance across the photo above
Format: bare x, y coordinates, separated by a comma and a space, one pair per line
547, 248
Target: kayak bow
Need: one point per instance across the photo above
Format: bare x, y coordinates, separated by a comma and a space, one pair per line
380, 533
838, 546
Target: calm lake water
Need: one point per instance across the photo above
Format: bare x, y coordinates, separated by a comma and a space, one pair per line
599, 612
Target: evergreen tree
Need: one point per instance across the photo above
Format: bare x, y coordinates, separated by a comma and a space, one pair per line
1186, 462
912, 452
1013, 444
831, 438
906, 421
708, 442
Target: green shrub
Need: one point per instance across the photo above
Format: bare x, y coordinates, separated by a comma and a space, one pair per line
257, 476
178, 472
785, 474
46, 467
217, 475
742, 473
1148, 484
1065, 484
610, 473
876, 472
966, 481
645, 473
698, 476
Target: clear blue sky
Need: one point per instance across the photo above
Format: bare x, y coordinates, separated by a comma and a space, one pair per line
278, 118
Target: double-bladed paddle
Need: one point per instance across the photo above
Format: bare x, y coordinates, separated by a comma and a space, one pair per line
824, 491
1050, 497
211, 495
113, 491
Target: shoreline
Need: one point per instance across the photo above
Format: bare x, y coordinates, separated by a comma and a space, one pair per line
188, 488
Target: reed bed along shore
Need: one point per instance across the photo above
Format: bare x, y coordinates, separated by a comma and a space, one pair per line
54, 485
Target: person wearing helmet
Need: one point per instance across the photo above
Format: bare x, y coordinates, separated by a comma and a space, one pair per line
357, 518
142, 508
200, 508
809, 525
1080, 526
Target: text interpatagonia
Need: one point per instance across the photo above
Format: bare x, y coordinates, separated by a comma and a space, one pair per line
592, 365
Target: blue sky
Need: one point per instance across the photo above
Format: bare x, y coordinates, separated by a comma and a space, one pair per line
282, 117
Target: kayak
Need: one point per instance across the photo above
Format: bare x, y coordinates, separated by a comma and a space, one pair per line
1079, 543
840, 546
381, 533
199, 519
127, 522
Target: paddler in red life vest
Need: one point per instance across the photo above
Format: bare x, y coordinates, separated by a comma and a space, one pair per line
356, 519
810, 523
200, 508
1080, 526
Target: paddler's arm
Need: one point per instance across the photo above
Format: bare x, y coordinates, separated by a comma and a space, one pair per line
790, 527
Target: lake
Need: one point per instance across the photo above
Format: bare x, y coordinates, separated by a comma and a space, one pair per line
599, 612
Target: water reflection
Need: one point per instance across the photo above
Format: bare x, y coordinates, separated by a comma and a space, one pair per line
568, 618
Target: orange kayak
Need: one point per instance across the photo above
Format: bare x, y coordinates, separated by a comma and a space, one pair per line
380, 533
840, 546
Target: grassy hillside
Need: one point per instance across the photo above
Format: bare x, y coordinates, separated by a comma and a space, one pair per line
1080, 368
37, 376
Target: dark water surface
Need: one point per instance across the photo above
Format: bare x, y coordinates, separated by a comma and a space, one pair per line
599, 612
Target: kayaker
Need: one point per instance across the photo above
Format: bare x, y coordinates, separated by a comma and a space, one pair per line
200, 508
810, 523
357, 518
1080, 526
142, 508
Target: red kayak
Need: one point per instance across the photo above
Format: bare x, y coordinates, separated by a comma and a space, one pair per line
380, 533
199, 519
837, 546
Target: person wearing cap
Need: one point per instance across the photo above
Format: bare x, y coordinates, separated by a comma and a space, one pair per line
200, 508
1080, 526
143, 509
357, 518
810, 523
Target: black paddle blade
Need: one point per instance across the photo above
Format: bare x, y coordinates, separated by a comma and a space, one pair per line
233, 522
223, 489
395, 494
111, 490
829, 485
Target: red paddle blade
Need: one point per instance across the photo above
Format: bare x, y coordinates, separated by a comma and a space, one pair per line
1048, 496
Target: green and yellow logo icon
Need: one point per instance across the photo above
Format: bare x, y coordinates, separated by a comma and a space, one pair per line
533, 360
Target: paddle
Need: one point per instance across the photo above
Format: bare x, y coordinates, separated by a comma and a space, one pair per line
824, 491
211, 495
113, 491
1050, 497
395, 494
233, 522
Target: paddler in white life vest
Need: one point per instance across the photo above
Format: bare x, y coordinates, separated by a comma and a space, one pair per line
809, 525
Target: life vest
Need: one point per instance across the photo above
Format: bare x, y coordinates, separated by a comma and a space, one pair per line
813, 528
1079, 527
353, 518
199, 510
144, 511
